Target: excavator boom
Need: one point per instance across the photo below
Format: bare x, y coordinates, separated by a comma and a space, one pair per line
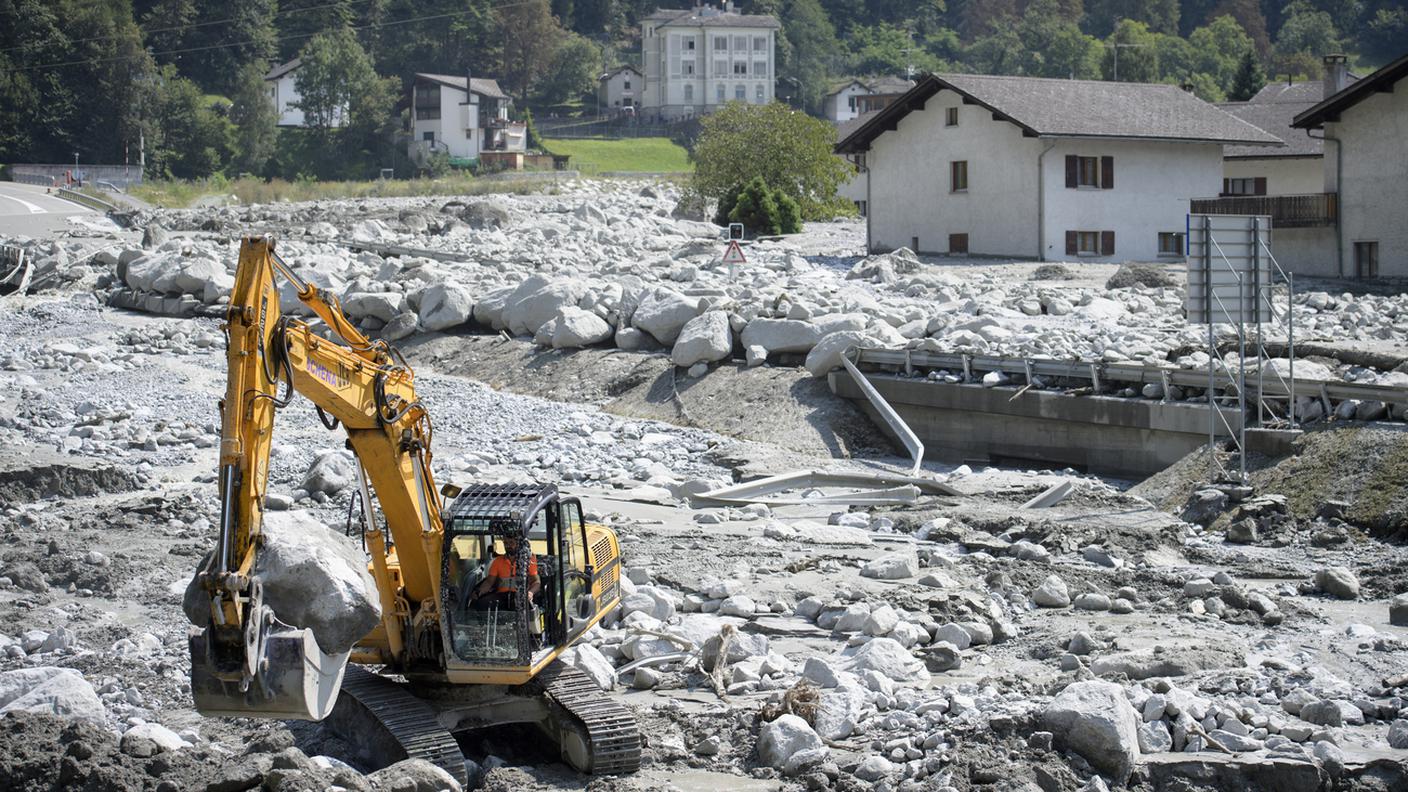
245, 661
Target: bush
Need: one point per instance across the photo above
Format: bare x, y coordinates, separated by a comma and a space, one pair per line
762, 210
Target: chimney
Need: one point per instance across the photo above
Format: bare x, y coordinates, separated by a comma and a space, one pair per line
1336, 75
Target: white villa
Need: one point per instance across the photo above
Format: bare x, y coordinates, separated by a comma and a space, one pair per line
280, 85
462, 122
1035, 168
696, 60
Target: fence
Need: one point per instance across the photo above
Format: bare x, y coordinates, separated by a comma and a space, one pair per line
1286, 211
121, 176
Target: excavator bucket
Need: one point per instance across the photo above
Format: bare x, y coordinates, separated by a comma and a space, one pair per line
293, 680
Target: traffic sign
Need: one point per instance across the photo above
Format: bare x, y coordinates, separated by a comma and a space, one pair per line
734, 254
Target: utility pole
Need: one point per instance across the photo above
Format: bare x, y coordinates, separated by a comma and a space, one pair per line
1116, 46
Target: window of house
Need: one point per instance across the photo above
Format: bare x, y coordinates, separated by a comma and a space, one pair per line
1088, 243
740, 92
958, 175
1251, 186
852, 102
1089, 174
1170, 243
1366, 259
689, 43
687, 67
427, 102
689, 93
951, 117
428, 136
740, 43
860, 207
720, 67
760, 43
721, 43
760, 68
627, 85
719, 93
958, 243
760, 94
740, 67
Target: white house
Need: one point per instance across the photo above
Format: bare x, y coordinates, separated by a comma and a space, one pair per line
856, 97
696, 60
463, 122
1027, 167
1286, 183
620, 89
1367, 167
280, 85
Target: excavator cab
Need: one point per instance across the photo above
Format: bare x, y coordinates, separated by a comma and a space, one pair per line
482, 524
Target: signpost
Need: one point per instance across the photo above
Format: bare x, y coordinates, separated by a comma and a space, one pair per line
733, 256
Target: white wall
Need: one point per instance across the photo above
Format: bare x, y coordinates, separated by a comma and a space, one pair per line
614, 90
664, 51
838, 105
1153, 184
1374, 180
909, 183
284, 93
1306, 251
457, 127
1284, 175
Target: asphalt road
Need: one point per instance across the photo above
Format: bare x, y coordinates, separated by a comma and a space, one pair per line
32, 211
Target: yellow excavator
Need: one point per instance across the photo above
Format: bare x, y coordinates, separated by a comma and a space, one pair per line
441, 665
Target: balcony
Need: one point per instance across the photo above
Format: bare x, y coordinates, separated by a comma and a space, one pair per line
1287, 211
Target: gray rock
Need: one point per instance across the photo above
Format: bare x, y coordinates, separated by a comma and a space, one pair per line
444, 306
895, 566
1095, 720
1205, 506
955, 635
414, 775
149, 739
1332, 712
485, 215
1154, 737
331, 472
1235, 742
941, 656
576, 328
704, 339
590, 661
785, 737
781, 335
51, 691
886, 657
1398, 734
663, 313
538, 301
377, 305
1398, 611
313, 578
1052, 593
827, 353
1338, 582
874, 768
1092, 601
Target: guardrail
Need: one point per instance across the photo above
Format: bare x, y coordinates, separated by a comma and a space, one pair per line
1308, 210
1098, 373
90, 201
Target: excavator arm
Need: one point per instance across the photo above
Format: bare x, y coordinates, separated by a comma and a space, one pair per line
245, 661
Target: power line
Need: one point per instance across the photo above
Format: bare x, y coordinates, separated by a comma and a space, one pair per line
377, 25
188, 26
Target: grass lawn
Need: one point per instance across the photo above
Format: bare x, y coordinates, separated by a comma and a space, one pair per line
180, 194
639, 155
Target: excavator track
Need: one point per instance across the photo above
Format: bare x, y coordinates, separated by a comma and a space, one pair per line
409, 728
612, 735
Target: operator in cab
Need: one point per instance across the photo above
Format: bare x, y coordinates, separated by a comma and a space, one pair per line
498, 589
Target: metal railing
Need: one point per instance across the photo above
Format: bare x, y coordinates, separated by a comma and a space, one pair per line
1286, 211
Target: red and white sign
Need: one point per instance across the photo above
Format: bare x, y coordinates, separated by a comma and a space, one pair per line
734, 254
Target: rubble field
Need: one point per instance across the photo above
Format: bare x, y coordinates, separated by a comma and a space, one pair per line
1171, 634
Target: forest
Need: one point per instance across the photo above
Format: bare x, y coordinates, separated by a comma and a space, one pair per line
181, 81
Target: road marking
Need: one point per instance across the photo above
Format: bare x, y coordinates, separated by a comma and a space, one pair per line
33, 209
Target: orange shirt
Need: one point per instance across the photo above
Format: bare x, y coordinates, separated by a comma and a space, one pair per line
506, 569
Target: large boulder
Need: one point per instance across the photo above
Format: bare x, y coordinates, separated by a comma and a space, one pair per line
888, 658
784, 738
590, 661
204, 278
489, 311
149, 739
827, 353
663, 313
1096, 720
704, 339
49, 690
444, 306
413, 775
484, 215
577, 328
377, 305
781, 335
332, 471
535, 307
313, 577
